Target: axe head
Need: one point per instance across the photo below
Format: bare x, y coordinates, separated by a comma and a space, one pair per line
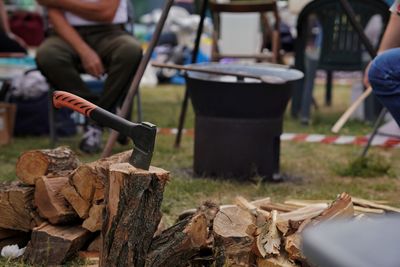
144, 137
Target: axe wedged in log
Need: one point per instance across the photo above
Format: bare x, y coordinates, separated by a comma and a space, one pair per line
143, 134
344, 118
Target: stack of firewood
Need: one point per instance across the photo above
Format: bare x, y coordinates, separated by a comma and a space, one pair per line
61, 206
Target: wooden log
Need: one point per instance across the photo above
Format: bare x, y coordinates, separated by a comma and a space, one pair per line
81, 206
233, 242
16, 207
179, 244
50, 203
46, 162
373, 205
52, 245
86, 183
269, 240
94, 221
278, 207
133, 201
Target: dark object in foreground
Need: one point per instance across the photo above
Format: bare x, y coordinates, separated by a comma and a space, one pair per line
358, 243
239, 122
143, 134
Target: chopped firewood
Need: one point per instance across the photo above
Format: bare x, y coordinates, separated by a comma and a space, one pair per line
132, 214
373, 205
50, 203
362, 210
292, 247
177, 245
277, 261
342, 207
81, 206
300, 214
304, 203
53, 245
278, 207
86, 183
20, 239
269, 240
233, 243
16, 207
95, 245
254, 210
46, 162
259, 202
94, 221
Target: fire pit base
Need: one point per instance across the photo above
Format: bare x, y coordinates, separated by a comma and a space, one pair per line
237, 148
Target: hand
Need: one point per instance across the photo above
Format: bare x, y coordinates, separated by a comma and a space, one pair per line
365, 78
91, 63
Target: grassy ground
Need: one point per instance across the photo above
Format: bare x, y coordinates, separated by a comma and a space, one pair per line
313, 168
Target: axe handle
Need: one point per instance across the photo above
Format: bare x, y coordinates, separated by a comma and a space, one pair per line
76, 103
344, 118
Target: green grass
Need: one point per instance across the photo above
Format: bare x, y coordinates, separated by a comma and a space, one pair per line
312, 168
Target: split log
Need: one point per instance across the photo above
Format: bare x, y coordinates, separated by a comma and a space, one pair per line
94, 221
177, 245
86, 183
16, 207
341, 208
50, 203
46, 162
374, 205
233, 242
278, 207
133, 200
52, 245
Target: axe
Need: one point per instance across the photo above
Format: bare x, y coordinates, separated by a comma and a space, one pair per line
143, 134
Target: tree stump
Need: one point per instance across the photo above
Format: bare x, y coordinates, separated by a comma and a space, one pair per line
133, 200
46, 162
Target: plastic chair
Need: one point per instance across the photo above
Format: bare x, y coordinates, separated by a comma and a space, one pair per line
339, 46
262, 7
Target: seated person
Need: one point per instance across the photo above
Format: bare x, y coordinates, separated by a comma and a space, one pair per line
383, 73
89, 37
9, 42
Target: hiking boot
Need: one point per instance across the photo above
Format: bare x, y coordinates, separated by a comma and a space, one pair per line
91, 141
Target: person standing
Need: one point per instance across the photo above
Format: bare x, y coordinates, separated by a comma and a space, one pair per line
88, 36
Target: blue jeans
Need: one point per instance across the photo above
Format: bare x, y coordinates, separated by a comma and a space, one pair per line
384, 76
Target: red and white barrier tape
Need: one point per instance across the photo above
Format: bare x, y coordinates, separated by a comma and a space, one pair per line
382, 141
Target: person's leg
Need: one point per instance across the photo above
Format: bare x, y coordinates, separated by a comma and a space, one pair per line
384, 76
60, 64
121, 55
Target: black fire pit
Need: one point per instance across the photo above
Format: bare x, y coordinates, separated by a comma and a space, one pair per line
239, 122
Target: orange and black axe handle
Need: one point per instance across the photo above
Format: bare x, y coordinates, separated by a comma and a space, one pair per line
143, 134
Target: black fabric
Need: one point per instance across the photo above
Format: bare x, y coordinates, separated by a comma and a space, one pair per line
8, 45
32, 118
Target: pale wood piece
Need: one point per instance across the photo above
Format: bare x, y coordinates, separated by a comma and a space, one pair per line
279, 261
178, 245
251, 208
132, 214
50, 203
46, 162
301, 214
52, 245
373, 205
16, 207
95, 245
233, 242
362, 210
81, 206
269, 240
278, 207
94, 221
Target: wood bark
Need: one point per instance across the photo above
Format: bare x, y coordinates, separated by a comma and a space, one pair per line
179, 244
86, 183
233, 243
50, 203
46, 162
16, 207
133, 200
52, 245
